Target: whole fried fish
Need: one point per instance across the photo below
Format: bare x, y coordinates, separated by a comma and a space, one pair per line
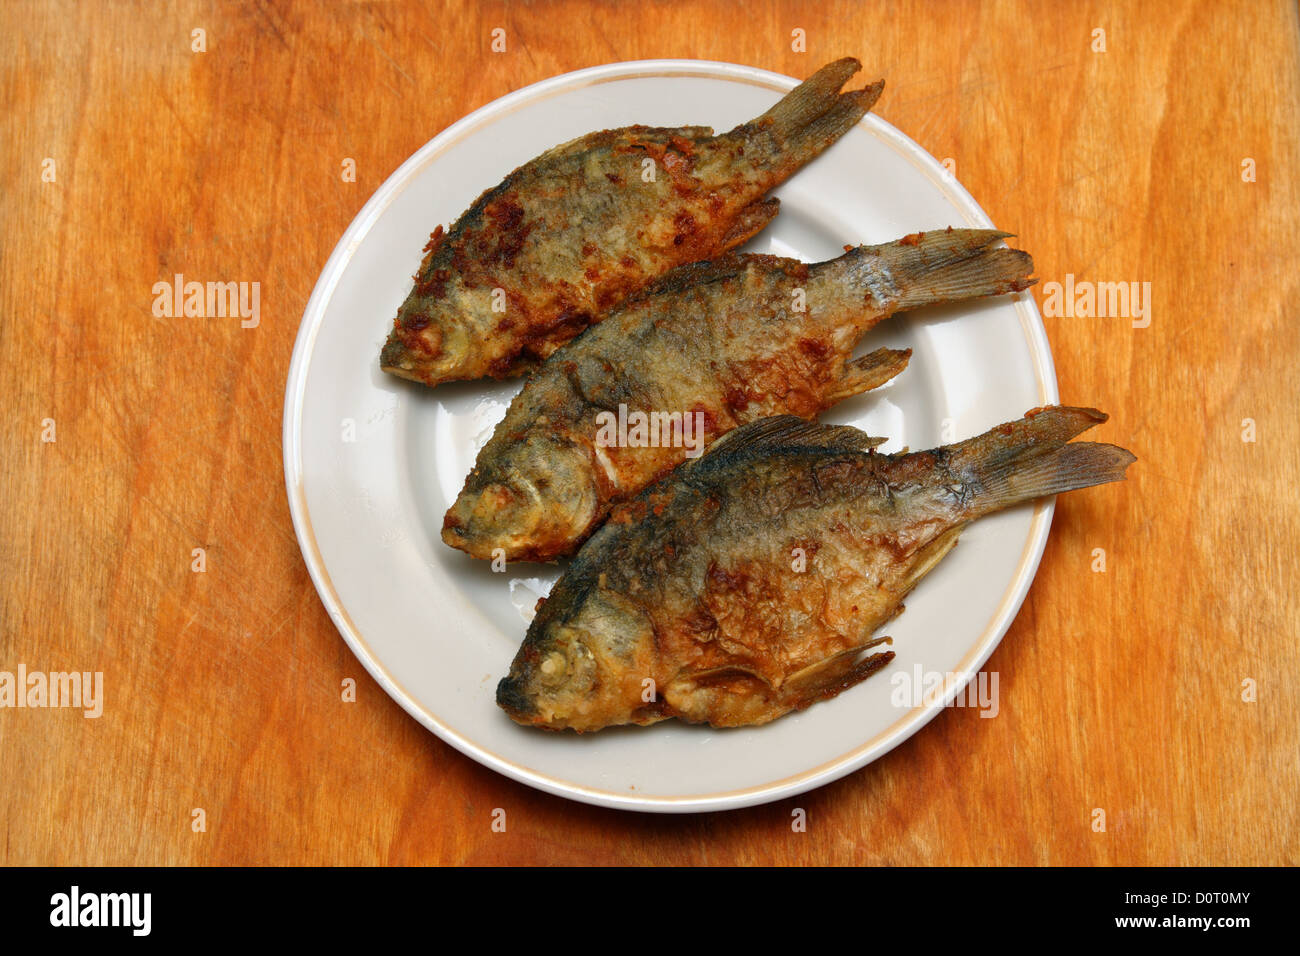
571, 234
715, 344
692, 601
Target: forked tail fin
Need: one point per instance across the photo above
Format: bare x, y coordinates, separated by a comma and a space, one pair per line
926, 268
1030, 458
809, 118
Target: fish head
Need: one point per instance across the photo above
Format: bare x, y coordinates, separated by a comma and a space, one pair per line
532, 500
424, 349
583, 665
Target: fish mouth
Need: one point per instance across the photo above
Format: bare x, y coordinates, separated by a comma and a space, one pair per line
412, 375
501, 515
397, 359
418, 360
512, 699
394, 354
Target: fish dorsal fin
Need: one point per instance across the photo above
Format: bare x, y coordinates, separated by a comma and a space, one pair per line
790, 431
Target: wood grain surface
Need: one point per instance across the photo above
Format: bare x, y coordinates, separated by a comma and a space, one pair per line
1121, 690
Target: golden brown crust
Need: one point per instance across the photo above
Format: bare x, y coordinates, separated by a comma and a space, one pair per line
585, 226
749, 582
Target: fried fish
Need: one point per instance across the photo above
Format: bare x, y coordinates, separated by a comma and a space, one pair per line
571, 234
707, 348
745, 584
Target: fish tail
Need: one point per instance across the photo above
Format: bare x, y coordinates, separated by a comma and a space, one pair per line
868, 372
943, 265
1030, 459
809, 118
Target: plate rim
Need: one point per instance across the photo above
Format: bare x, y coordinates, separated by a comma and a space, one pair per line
295, 385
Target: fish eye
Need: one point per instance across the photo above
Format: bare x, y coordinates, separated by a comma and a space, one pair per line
567, 659
554, 665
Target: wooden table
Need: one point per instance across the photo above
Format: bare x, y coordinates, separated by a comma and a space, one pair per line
1169, 158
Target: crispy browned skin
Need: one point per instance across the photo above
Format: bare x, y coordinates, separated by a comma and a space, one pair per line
571, 234
724, 343
695, 585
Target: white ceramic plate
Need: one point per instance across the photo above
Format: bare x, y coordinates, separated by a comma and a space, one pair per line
437, 630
